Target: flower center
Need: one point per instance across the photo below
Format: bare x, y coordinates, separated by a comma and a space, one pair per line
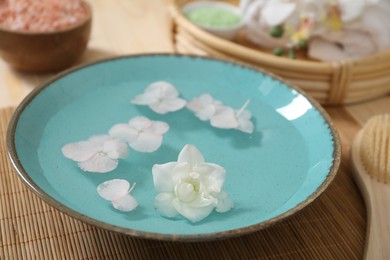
185, 192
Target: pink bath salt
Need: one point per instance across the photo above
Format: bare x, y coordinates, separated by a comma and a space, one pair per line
41, 15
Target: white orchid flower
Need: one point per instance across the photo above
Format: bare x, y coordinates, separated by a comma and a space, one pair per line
204, 106
275, 12
365, 24
97, 154
334, 29
119, 193
162, 97
351, 9
141, 133
190, 187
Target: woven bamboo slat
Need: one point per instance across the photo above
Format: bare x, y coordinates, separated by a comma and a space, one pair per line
331, 83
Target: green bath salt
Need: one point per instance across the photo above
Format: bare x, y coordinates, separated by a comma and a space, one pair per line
213, 17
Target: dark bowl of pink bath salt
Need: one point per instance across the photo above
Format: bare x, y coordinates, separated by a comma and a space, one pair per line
44, 35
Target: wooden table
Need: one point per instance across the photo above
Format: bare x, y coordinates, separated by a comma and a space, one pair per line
139, 26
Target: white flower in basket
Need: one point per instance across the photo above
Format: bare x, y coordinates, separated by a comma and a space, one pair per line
330, 29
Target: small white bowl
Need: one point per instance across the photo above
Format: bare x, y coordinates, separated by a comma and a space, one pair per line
228, 33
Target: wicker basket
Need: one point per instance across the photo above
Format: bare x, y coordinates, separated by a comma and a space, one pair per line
331, 83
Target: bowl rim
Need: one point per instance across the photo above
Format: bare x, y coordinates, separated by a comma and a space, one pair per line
82, 22
22, 173
227, 6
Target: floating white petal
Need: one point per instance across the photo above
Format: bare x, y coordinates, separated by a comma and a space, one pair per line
204, 106
125, 203
224, 118
80, 151
141, 133
97, 154
244, 122
162, 97
113, 189
99, 162
118, 192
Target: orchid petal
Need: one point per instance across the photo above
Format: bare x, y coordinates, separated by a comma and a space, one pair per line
116, 149
181, 170
98, 163
162, 176
191, 155
253, 9
194, 214
185, 192
125, 203
326, 51
80, 151
224, 202
113, 189
276, 12
351, 9
204, 201
214, 173
225, 118
163, 205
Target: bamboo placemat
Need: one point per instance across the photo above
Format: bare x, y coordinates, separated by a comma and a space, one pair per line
333, 227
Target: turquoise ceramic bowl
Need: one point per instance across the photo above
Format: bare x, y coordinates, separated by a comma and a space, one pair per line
273, 173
